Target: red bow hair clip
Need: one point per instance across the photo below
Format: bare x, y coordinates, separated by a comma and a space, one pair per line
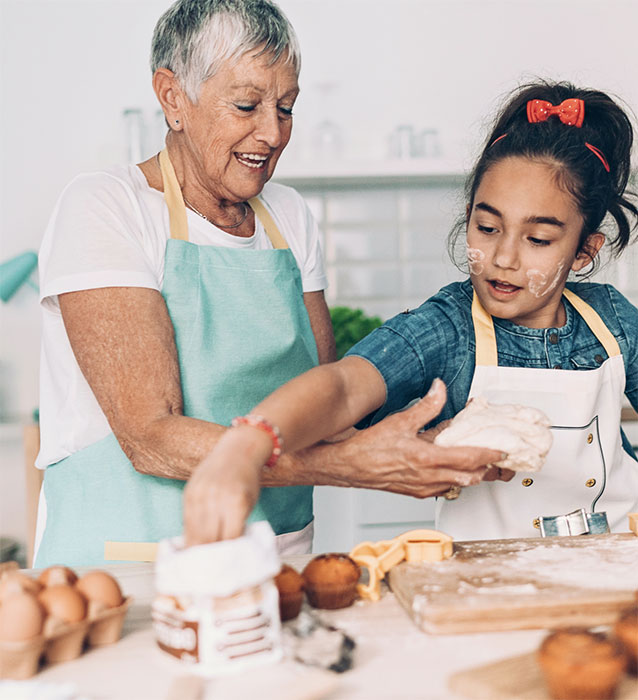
571, 112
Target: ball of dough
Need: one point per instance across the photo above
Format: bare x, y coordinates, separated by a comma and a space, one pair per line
522, 432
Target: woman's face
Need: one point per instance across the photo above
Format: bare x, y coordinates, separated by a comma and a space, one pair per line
522, 239
241, 123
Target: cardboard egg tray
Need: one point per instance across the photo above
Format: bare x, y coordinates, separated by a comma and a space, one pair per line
21, 660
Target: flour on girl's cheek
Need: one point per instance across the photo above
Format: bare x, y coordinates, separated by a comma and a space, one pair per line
538, 281
475, 258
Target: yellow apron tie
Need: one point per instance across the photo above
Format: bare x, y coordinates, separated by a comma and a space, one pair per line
486, 353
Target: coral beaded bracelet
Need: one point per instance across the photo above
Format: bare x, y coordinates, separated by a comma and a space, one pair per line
272, 430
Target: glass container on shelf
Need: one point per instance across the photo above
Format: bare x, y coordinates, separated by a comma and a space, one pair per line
327, 137
134, 134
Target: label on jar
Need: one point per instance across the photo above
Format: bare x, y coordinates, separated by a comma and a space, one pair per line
220, 634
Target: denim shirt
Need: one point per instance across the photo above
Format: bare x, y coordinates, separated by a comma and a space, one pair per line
437, 340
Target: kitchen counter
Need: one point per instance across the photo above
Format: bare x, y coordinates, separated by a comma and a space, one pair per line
393, 658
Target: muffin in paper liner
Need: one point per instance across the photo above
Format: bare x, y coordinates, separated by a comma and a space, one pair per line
330, 581
578, 663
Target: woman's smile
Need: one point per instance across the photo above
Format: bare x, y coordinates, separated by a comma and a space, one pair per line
256, 161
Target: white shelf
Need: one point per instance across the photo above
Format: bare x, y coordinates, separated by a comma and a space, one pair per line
411, 171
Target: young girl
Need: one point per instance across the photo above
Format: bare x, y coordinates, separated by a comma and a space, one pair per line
555, 166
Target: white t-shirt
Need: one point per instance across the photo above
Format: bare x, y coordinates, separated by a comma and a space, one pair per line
109, 229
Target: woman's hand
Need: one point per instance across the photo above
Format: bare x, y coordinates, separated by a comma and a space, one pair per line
394, 455
224, 488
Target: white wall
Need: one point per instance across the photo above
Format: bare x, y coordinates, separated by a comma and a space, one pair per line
70, 67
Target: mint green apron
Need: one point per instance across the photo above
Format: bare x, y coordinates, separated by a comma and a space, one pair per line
241, 330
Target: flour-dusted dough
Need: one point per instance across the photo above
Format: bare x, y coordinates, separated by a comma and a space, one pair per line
520, 431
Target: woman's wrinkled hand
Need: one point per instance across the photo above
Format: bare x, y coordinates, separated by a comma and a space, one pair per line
224, 488
394, 455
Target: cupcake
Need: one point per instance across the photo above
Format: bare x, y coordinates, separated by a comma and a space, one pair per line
331, 581
581, 665
289, 583
626, 630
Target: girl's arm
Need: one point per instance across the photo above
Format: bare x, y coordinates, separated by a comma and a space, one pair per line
325, 400
390, 455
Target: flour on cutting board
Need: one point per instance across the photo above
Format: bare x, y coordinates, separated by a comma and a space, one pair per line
521, 584
523, 568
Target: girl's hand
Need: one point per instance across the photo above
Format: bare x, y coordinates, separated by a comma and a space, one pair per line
224, 488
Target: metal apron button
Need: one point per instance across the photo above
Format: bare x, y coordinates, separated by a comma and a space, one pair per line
527, 482
590, 482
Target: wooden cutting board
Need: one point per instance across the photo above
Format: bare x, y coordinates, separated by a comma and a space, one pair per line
494, 585
517, 678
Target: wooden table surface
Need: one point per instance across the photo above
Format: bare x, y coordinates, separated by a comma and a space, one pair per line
393, 659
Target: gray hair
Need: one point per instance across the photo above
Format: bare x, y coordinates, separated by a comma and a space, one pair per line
193, 38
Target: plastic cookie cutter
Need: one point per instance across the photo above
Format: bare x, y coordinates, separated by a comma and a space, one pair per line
413, 546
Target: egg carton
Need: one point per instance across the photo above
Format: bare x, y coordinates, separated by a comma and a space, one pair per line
21, 660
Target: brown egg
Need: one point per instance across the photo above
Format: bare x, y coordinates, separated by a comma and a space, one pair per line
17, 582
101, 587
57, 574
21, 617
63, 602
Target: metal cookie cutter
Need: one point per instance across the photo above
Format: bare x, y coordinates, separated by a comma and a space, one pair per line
578, 522
413, 546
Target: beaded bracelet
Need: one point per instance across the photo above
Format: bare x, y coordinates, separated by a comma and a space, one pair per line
259, 422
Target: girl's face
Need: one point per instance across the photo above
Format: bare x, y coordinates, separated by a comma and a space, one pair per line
522, 237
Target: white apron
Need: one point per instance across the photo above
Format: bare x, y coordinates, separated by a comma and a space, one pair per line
586, 467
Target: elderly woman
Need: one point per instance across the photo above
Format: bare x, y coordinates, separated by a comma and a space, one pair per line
180, 292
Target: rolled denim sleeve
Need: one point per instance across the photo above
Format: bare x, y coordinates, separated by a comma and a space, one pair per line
398, 363
411, 350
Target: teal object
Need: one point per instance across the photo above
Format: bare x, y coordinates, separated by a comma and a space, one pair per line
241, 330
15, 272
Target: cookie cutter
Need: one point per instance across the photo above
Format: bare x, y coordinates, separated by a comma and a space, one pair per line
578, 522
413, 546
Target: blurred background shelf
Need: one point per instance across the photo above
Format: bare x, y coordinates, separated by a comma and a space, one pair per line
412, 171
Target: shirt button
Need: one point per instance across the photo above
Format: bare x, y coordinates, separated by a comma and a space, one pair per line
537, 523
590, 482
599, 359
527, 482
590, 439
553, 338
557, 367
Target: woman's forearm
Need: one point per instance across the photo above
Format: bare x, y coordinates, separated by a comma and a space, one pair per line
171, 446
324, 401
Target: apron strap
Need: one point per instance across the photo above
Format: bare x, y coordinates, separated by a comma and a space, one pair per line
595, 323
177, 209
484, 334
486, 353
173, 198
277, 240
